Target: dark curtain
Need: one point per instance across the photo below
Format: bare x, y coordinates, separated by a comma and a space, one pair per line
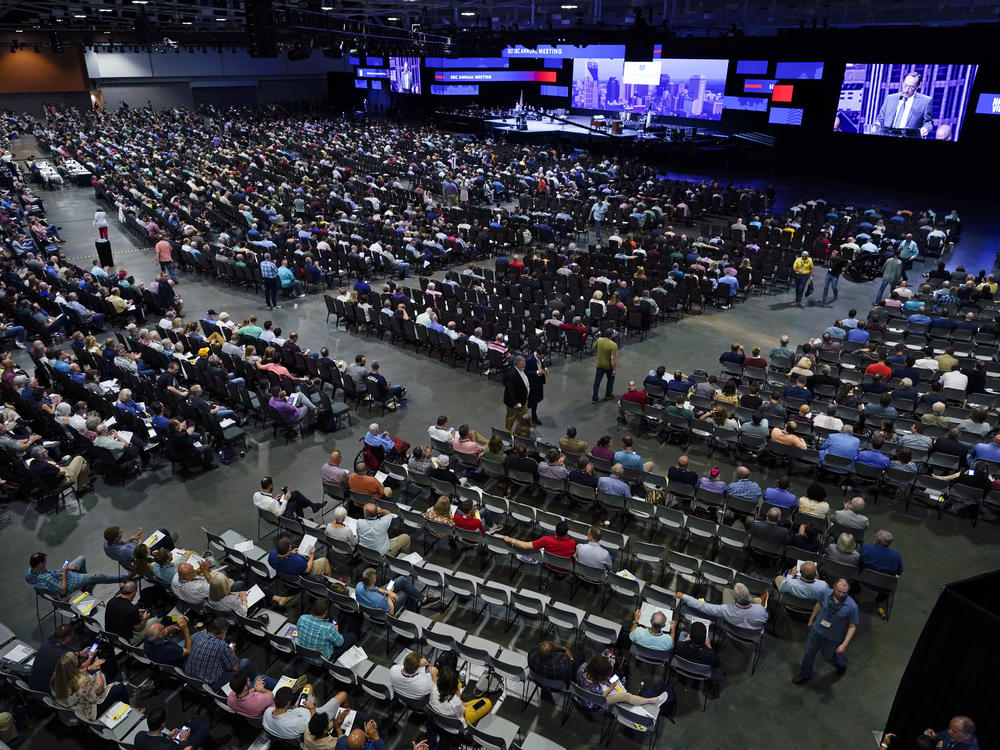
953, 669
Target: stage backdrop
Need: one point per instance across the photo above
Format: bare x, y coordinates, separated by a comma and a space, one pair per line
953, 667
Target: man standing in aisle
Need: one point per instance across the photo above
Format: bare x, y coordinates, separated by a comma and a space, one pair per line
833, 271
269, 274
515, 392
892, 271
832, 625
802, 268
607, 364
908, 252
597, 212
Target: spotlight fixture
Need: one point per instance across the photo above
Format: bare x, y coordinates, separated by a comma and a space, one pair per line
467, 13
105, 10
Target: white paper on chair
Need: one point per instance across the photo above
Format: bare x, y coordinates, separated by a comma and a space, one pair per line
110, 422
306, 545
245, 546
624, 573
413, 557
706, 623
285, 681
227, 423
348, 723
114, 715
381, 476
254, 595
648, 609
352, 657
19, 653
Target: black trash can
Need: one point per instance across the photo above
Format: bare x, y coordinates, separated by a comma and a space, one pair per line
104, 252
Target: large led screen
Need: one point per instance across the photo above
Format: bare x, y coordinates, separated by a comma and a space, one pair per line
913, 101
672, 86
404, 75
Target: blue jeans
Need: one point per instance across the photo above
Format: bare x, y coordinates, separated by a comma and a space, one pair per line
882, 287
395, 390
294, 287
238, 381
86, 579
246, 667
831, 282
97, 319
597, 227
405, 268
409, 596
801, 282
598, 376
817, 644
168, 266
225, 414
16, 332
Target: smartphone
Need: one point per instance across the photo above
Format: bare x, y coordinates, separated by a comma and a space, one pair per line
388, 586
93, 647
183, 730
232, 644
478, 704
333, 622
65, 563
303, 696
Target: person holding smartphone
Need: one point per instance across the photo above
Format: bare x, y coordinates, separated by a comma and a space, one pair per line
448, 701
289, 720
193, 735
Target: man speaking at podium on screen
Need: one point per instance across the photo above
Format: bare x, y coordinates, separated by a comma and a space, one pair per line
907, 109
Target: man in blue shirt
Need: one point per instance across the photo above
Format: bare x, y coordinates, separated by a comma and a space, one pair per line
627, 456
743, 487
843, 443
919, 317
873, 457
399, 594
831, 627
615, 484
680, 382
878, 556
985, 451
287, 561
269, 275
960, 735
798, 390
781, 496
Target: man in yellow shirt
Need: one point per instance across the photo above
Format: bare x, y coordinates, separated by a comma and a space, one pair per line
803, 269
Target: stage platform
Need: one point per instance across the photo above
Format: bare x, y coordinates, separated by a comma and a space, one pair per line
571, 125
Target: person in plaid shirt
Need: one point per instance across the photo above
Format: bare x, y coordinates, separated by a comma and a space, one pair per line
69, 577
269, 273
315, 630
214, 661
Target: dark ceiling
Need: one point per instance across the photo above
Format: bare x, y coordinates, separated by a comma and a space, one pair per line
322, 22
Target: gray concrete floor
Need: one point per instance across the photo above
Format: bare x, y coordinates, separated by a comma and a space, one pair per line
827, 713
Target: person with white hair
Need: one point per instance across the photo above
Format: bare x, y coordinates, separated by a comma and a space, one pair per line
738, 607
337, 528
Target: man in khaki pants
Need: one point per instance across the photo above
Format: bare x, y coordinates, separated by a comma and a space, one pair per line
51, 474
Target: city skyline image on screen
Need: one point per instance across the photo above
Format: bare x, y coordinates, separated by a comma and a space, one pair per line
688, 88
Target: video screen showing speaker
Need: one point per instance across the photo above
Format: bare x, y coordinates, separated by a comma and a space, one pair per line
404, 75
675, 87
925, 101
